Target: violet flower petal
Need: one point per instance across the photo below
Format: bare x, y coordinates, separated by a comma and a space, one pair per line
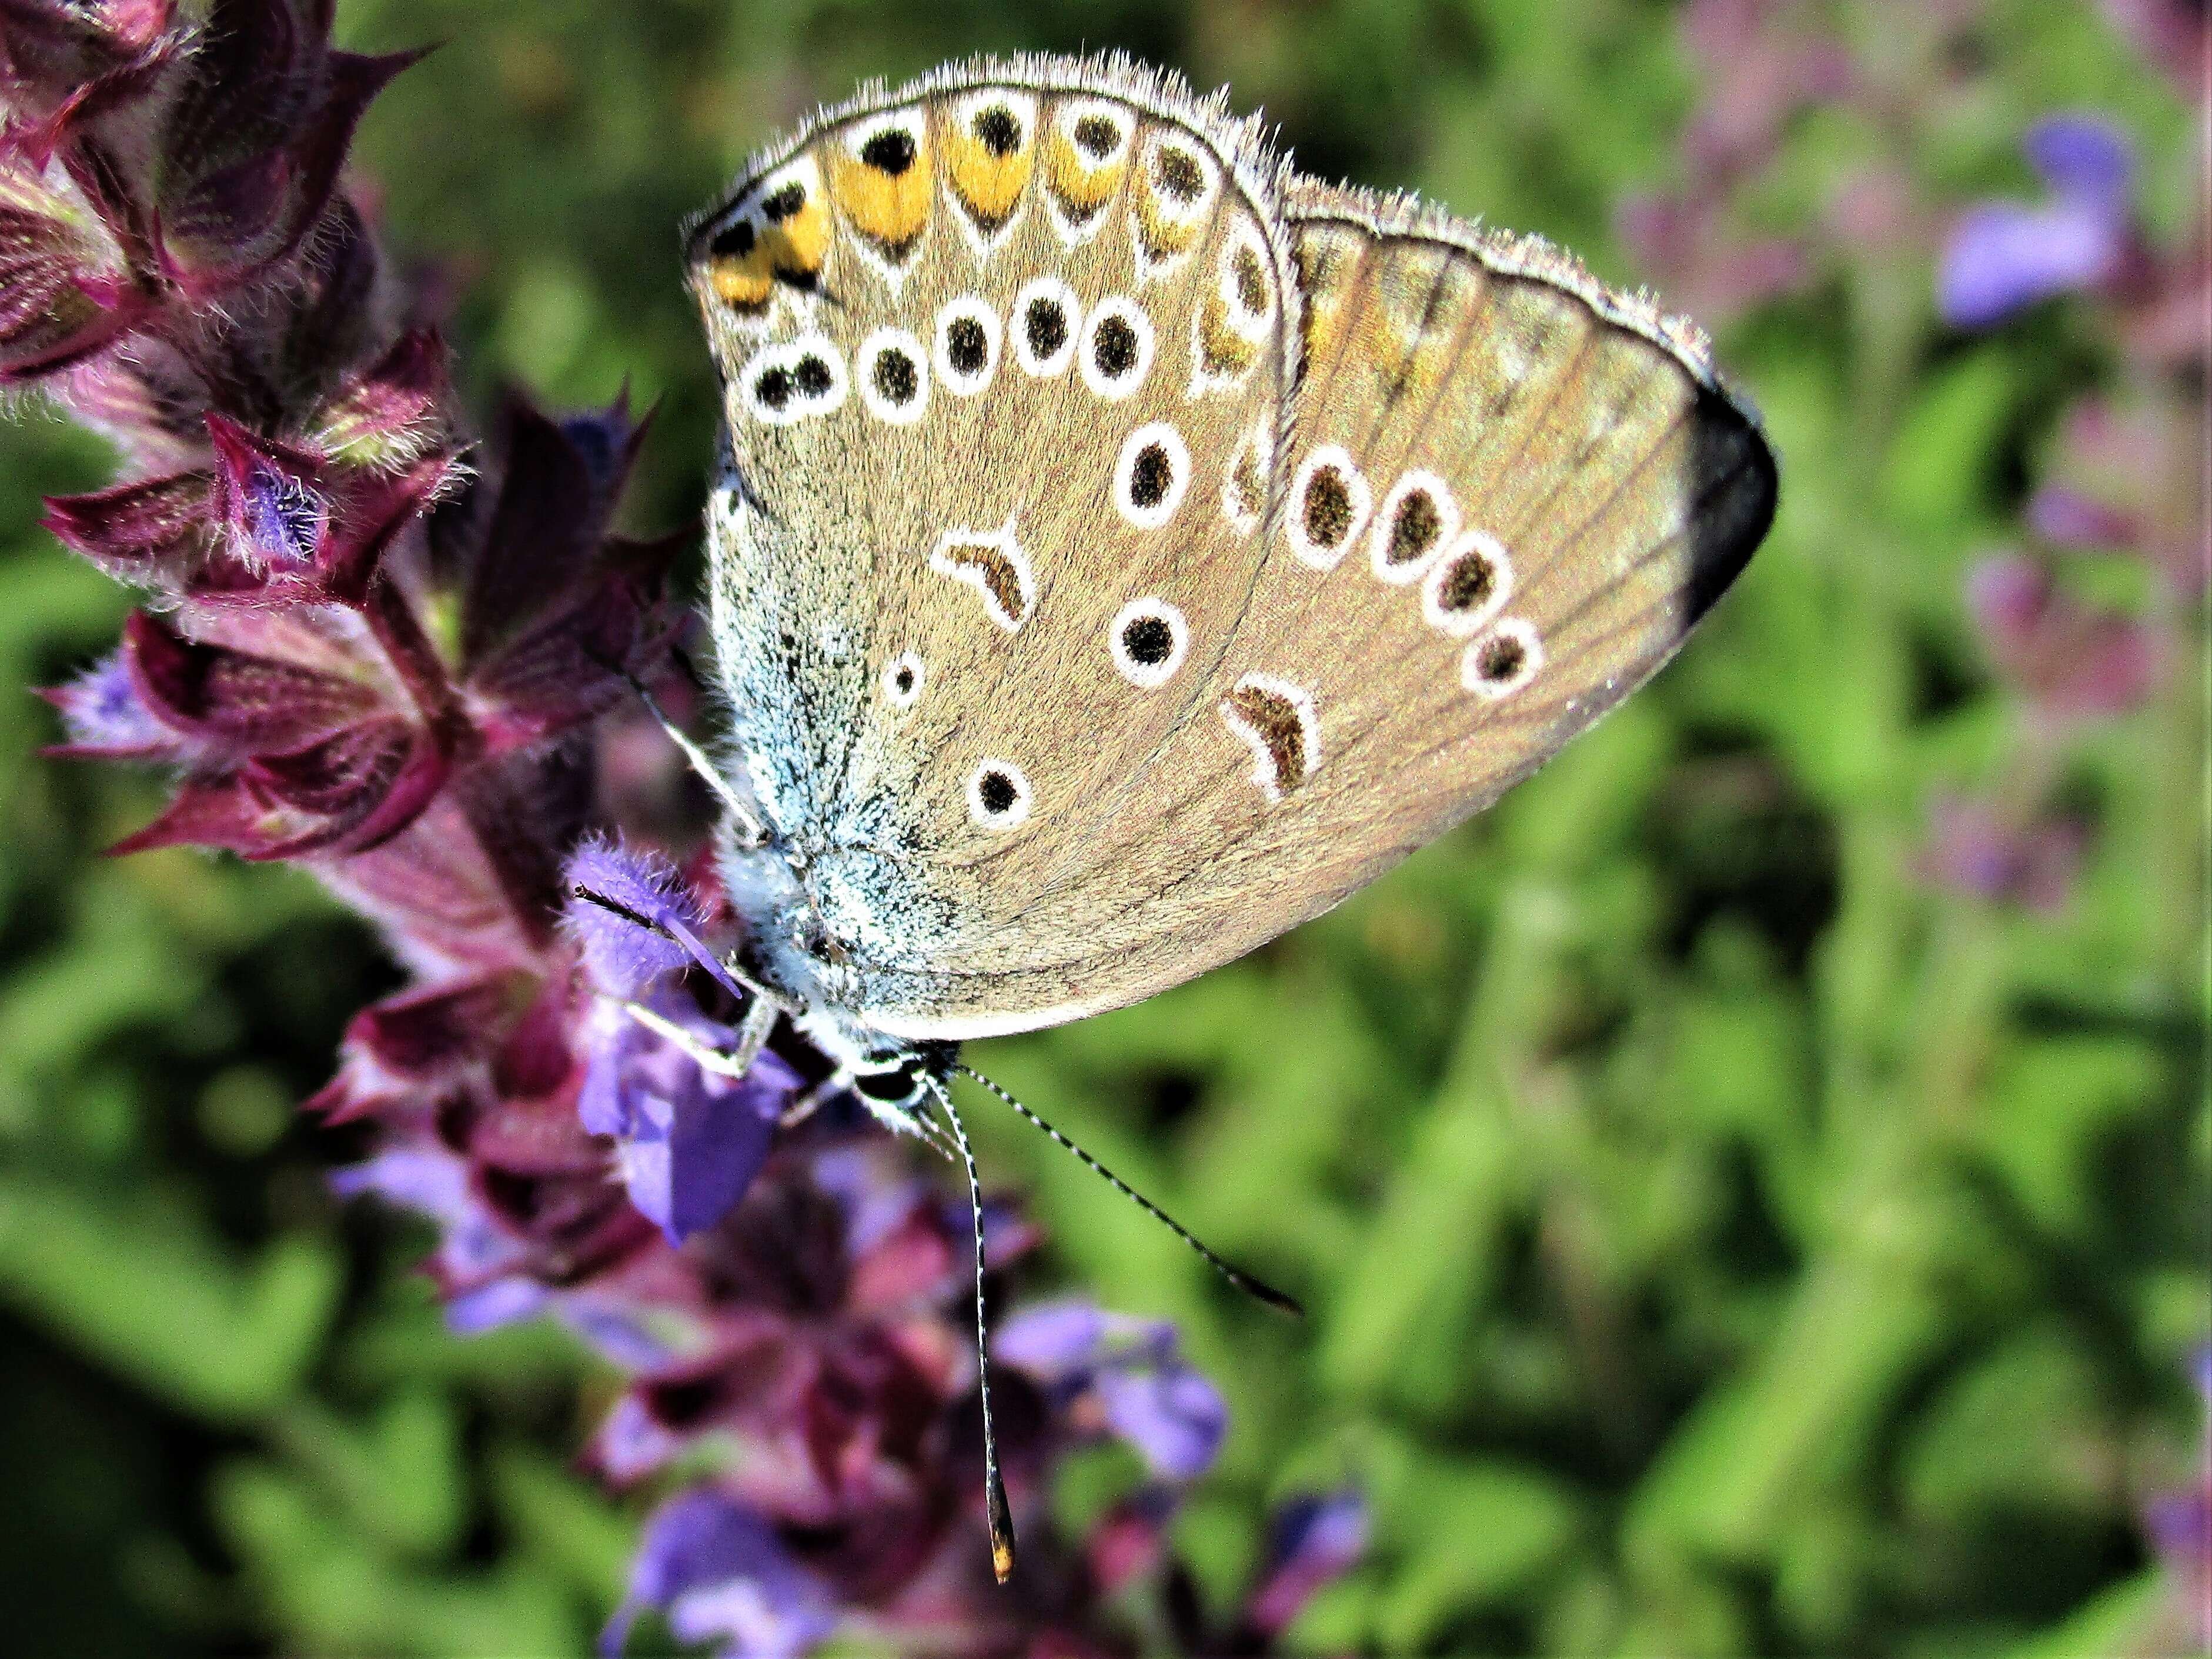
1051, 1339
104, 715
717, 1569
2002, 257
2085, 157
1313, 1542
687, 1141
1173, 1416
623, 957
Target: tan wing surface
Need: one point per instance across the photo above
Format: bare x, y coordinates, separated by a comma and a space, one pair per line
1509, 494
940, 495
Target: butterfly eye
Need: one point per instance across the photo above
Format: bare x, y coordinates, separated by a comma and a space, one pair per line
996, 130
1329, 504
967, 345
1151, 474
889, 151
903, 681
894, 376
1117, 349
997, 795
1418, 518
788, 383
1176, 172
1096, 137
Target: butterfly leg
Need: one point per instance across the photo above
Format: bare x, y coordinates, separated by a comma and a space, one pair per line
816, 1098
751, 832
752, 1036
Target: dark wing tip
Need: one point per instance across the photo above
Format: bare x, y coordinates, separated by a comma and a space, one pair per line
1732, 473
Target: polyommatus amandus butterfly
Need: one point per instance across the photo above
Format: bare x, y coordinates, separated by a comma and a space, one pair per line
1124, 547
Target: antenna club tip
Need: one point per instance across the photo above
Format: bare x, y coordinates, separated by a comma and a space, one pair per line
1275, 1298
1002, 1528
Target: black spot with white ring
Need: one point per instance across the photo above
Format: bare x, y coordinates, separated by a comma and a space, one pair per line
967, 351
1151, 474
1044, 319
997, 795
893, 374
1117, 349
1147, 640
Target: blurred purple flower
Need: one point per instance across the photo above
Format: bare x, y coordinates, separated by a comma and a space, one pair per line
2071, 661
2125, 480
1977, 848
719, 1573
1120, 1375
687, 1141
106, 718
1315, 1541
2178, 1524
2003, 257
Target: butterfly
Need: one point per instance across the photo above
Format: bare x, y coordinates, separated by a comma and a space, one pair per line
1123, 548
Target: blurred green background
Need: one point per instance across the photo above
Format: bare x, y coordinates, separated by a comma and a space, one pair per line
1723, 1238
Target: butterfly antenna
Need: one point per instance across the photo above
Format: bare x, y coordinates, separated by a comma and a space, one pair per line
1000, 1514
1257, 1289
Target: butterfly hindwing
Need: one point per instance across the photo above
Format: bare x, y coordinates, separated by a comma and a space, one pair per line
990, 346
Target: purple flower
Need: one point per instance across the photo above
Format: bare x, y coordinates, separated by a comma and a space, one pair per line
2073, 660
719, 1573
2003, 257
271, 496
106, 717
1315, 1541
623, 957
687, 1141
1108, 1372
1976, 848
2179, 1525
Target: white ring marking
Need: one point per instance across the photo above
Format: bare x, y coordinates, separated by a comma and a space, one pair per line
878, 403
966, 307
1148, 675
1115, 388
1017, 813
1386, 524
1466, 624
1360, 499
1163, 436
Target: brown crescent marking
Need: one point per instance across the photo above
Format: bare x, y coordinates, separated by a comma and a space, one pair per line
1277, 725
997, 574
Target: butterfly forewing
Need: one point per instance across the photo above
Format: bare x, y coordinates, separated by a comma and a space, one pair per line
1509, 495
1067, 690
